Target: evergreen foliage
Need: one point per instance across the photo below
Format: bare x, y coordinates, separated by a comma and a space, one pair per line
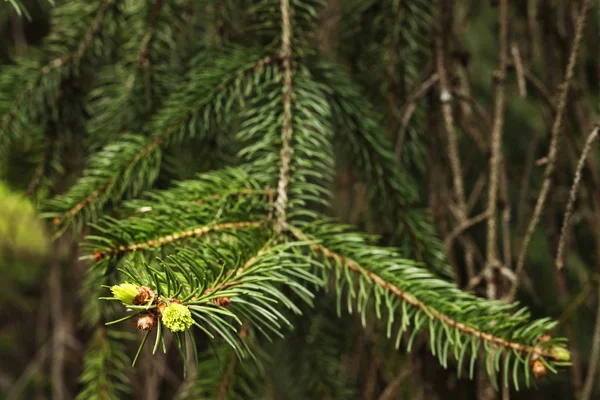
229, 261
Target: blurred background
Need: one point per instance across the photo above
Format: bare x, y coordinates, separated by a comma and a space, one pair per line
392, 47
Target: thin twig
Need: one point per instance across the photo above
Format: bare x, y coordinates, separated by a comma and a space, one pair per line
588, 386
411, 107
287, 129
516, 56
496, 139
572, 197
556, 134
463, 227
453, 154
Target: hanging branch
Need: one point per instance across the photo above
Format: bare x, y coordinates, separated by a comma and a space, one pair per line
287, 129
556, 135
572, 197
340, 261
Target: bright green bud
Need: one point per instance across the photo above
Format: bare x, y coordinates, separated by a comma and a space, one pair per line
177, 317
560, 354
125, 292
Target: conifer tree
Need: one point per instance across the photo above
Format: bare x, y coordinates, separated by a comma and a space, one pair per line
213, 134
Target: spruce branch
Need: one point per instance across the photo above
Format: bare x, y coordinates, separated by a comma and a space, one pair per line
454, 326
138, 159
172, 238
556, 133
36, 80
103, 376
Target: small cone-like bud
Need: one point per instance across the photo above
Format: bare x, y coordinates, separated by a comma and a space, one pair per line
146, 321
125, 292
560, 354
222, 301
177, 317
145, 294
545, 338
538, 368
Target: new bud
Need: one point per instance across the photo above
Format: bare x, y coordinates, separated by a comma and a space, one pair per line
177, 317
125, 292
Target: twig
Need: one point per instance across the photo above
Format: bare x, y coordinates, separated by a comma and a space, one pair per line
588, 386
17, 388
59, 331
516, 56
556, 133
411, 107
496, 139
463, 227
506, 217
572, 197
287, 129
453, 154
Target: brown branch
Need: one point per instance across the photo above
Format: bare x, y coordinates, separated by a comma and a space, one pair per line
556, 134
418, 304
496, 139
463, 227
573, 196
453, 154
516, 56
287, 129
168, 239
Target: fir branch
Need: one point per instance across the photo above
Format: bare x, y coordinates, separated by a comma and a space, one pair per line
64, 61
287, 130
169, 127
448, 315
103, 376
170, 239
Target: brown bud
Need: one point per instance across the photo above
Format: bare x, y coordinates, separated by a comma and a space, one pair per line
538, 368
160, 307
545, 338
98, 255
222, 301
144, 295
146, 321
